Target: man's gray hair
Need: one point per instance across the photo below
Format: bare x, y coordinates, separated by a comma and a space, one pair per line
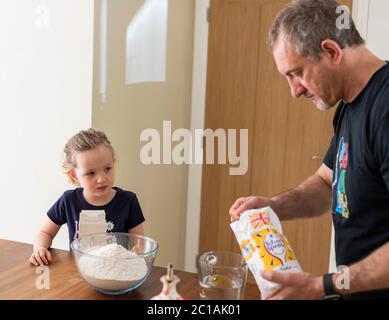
306, 23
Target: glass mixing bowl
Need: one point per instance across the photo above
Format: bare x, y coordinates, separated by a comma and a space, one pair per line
114, 263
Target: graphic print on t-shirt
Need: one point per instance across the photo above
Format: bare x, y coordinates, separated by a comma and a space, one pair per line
339, 185
110, 226
76, 231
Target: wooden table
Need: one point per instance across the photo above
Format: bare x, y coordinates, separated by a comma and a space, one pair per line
18, 279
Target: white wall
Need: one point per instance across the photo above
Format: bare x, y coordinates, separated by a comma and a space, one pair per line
378, 28
372, 22
46, 52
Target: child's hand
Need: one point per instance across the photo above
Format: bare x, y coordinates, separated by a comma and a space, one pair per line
41, 256
138, 248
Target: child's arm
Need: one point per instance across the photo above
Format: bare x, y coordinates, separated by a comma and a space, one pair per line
41, 254
137, 230
138, 245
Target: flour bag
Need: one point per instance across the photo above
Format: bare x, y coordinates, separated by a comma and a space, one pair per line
264, 247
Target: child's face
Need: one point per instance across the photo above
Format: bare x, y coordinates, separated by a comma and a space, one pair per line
95, 171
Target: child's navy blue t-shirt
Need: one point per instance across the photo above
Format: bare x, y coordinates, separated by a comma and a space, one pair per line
123, 212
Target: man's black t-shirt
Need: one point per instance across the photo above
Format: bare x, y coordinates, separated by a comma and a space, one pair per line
123, 212
359, 158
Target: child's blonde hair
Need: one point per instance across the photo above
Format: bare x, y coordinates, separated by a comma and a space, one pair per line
83, 141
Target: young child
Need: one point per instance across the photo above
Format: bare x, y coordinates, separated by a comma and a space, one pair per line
89, 163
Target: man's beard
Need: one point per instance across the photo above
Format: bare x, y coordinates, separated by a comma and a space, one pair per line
320, 103
323, 106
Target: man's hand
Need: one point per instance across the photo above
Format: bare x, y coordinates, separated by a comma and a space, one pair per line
295, 285
247, 203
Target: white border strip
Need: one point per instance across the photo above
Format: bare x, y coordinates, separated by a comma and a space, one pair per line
192, 235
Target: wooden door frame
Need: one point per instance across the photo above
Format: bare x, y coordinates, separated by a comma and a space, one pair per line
360, 13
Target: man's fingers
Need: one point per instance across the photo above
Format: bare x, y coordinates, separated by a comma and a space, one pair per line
243, 207
235, 216
236, 205
277, 296
274, 276
237, 208
243, 204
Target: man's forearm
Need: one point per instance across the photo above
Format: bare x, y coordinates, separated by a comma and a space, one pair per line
311, 198
369, 274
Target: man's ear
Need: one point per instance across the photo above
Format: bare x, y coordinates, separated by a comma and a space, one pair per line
332, 50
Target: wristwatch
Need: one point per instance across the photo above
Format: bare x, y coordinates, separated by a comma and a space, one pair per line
329, 291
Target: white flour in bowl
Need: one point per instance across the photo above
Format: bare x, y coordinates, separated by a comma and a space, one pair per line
113, 268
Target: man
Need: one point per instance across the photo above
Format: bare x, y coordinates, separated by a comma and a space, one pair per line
328, 63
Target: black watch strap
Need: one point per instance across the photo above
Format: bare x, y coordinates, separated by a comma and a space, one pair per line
329, 290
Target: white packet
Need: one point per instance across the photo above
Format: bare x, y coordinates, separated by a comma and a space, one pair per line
92, 221
264, 247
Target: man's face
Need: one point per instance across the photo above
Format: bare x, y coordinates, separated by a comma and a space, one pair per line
313, 80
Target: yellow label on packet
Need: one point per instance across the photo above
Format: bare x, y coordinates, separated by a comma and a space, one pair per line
247, 249
264, 247
273, 248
